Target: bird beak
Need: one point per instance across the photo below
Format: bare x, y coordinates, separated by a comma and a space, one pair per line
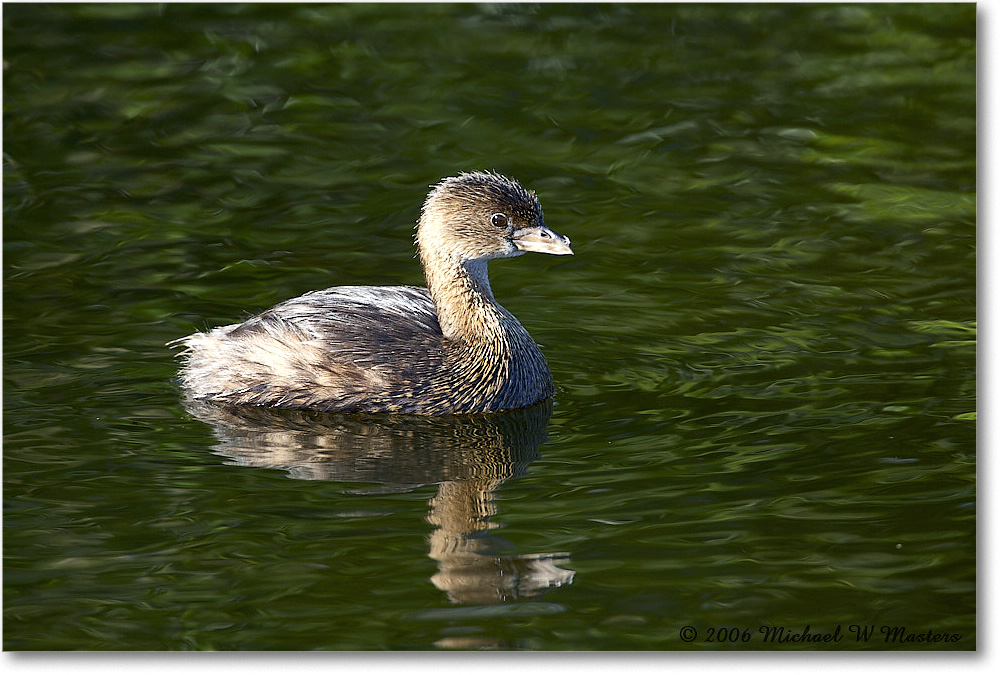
541, 239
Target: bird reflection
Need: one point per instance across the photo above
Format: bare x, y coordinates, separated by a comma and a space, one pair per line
469, 457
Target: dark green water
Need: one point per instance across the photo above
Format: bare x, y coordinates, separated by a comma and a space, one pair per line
764, 347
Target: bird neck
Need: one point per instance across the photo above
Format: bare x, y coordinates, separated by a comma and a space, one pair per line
466, 308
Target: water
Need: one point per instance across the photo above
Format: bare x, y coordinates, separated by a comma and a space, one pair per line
764, 346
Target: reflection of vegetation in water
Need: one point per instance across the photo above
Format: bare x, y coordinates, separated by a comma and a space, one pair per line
765, 348
951, 334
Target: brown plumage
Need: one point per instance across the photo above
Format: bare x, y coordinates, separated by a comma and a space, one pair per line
447, 348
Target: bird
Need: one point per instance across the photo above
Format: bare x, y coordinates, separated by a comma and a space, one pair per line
447, 348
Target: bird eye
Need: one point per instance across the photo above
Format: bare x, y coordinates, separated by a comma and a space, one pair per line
498, 220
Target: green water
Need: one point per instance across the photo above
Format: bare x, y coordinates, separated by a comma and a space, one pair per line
764, 347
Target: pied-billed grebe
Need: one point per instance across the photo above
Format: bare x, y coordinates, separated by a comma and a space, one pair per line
447, 348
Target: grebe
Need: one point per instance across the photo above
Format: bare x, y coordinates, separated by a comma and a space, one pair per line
446, 348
